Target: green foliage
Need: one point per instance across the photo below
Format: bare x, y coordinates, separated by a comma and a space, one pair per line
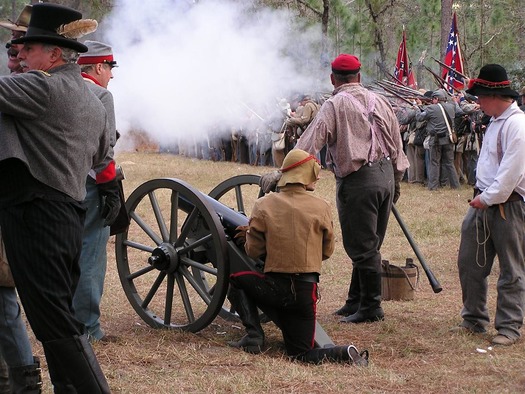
490, 30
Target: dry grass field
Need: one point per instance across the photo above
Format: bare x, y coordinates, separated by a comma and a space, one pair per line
411, 351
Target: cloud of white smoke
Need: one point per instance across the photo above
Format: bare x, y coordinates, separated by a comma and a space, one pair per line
188, 68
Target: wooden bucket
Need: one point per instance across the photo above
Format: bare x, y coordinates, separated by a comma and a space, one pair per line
399, 283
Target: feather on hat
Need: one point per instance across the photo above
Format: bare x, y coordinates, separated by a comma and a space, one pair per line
78, 28
58, 25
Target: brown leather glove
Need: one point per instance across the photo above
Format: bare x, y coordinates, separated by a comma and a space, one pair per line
240, 237
268, 182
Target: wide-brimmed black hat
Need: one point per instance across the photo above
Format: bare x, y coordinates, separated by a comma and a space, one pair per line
492, 80
58, 25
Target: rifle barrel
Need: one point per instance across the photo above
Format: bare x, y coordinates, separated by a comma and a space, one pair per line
450, 68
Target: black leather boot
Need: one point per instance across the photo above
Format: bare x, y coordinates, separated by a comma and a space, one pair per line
345, 354
370, 307
73, 366
4, 377
253, 341
27, 378
354, 296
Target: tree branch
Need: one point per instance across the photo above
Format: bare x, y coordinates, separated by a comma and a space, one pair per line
316, 12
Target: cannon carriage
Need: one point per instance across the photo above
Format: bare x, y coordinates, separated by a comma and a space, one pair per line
175, 259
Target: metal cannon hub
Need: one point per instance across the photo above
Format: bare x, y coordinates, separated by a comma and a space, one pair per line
164, 258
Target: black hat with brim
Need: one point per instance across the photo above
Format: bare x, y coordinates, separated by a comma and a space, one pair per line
47, 20
492, 80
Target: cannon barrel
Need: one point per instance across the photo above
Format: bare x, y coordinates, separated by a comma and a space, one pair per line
229, 218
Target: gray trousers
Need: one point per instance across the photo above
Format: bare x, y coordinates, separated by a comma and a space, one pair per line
416, 158
442, 159
506, 240
364, 200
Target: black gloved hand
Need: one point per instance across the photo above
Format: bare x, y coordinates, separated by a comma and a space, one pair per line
397, 191
110, 193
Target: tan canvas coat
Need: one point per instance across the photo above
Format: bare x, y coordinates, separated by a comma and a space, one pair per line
293, 228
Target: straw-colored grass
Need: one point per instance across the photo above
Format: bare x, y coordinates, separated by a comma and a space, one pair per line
411, 351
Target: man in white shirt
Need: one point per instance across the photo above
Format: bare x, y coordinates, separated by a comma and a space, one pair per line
494, 224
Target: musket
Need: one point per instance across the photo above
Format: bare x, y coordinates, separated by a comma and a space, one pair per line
394, 78
395, 93
437, 78
450, 68
436, 287
403, 88
441, 81
252, 111
406, 92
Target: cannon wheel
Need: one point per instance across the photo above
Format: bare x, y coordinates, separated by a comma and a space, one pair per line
238, 193
238, 184
174, 240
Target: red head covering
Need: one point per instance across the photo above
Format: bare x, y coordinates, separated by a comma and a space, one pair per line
346, 64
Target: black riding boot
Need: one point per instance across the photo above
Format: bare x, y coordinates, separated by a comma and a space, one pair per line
253, 341
27, 378
73, 366
370, 307
344, 354
354, 296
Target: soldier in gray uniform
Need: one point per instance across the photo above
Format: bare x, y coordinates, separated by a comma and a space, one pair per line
53, 131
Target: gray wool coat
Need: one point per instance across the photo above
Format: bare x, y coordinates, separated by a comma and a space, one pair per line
55, 125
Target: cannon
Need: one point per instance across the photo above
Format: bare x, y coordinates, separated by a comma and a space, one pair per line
175, 258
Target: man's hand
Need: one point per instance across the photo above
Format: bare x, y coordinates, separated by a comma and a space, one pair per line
110, 193
397, 191
477, 203
268, 182
240, 237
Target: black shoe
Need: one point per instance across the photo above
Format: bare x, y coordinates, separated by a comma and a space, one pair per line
365, 317
347, 309
248, 344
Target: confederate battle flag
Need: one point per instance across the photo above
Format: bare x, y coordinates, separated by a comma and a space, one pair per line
453, 60
403, 71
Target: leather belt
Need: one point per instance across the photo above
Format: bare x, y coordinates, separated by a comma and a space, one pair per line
379, 161
514, 196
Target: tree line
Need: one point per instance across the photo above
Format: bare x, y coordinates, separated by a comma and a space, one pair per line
490, 31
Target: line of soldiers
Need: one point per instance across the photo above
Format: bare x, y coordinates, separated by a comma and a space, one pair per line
431, 153
260, 141
263, 142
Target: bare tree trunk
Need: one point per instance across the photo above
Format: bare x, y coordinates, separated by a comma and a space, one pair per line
446, 21
325, 18
376, 16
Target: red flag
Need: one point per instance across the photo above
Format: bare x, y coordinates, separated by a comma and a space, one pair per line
453, 60
403, 71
